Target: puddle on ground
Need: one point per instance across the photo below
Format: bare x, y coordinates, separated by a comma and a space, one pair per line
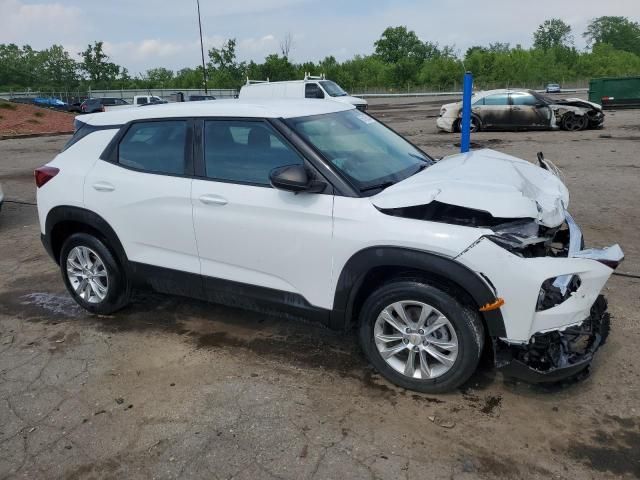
53, 303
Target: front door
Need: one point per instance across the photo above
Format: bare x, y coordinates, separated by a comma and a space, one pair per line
528, 112
252, 234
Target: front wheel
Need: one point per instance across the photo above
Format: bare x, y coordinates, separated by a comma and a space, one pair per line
420, 337
574, 123
92, 275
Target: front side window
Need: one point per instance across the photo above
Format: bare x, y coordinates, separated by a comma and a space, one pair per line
497, 99
312, 90
142, 101
333, 89
367, 153
156, 147
244, 151
522, 98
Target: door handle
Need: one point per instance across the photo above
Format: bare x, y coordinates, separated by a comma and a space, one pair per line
103, 187
213, 200
517, 109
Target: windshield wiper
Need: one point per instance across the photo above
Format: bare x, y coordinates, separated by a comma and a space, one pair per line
419, 157
381, 186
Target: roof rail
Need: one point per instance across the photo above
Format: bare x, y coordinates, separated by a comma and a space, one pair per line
251, 82
308, 76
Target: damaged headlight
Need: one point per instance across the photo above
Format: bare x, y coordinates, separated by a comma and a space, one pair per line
556, 290
517, 236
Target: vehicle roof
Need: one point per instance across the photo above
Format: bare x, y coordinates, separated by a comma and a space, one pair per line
279, 82
485, 93
258, 108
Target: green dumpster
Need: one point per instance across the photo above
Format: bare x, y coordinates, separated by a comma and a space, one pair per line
615, 92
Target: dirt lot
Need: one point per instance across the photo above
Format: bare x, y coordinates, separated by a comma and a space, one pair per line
20, 119
176, 388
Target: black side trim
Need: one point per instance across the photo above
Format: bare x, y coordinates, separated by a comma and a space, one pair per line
58, 215
355, 270
226, 292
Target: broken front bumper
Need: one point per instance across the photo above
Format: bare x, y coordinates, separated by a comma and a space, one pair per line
556, 355
548, 342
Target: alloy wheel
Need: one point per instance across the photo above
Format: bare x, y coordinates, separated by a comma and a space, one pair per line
87, 274
416, 339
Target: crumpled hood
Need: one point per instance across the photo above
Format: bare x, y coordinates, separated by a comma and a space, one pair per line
578, 102
504, 186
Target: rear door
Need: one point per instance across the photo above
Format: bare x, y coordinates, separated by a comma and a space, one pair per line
493, 110
251, 233
528, 112
143, 190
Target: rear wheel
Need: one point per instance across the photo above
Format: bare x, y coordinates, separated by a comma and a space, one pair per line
475, 125
574, 123
92, 275
420, 337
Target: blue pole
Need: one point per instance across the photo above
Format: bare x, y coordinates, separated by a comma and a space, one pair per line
465, 127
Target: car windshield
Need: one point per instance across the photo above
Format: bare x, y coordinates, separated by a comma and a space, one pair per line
333, 89
370, 155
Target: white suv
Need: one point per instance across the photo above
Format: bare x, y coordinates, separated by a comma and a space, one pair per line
318, 210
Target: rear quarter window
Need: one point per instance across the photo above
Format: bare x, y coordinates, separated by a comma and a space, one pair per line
83, 129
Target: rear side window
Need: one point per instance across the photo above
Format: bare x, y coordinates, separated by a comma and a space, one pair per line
156, 147
244, 152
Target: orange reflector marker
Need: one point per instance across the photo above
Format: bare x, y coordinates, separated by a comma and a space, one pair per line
493, 305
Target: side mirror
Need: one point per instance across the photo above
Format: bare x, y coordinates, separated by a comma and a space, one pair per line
319, 94
294, 178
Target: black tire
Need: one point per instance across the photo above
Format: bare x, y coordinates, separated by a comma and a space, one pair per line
466, 323
476, 125
574, 123
118, 293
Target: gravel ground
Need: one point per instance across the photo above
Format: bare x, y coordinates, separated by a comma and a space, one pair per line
20, 119
172, 388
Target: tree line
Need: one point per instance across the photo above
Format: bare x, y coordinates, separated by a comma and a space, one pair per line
400, 60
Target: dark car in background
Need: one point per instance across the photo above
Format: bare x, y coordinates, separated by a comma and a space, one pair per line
92, 105
514, 109
200, 98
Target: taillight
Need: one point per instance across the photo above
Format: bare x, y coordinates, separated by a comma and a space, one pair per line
44, 174
102, 108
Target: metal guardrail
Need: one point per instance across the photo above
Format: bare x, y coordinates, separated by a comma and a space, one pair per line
449, 94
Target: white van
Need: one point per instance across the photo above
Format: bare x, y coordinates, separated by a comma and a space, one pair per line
310, 87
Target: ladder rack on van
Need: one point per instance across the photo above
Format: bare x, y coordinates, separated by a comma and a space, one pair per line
251, 82
308, 76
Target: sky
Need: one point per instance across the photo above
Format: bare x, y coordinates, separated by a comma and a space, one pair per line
142, 34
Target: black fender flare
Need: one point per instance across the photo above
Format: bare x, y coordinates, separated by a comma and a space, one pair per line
67, 213
355, 270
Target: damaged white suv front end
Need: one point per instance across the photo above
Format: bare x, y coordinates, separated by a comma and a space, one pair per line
528, 249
